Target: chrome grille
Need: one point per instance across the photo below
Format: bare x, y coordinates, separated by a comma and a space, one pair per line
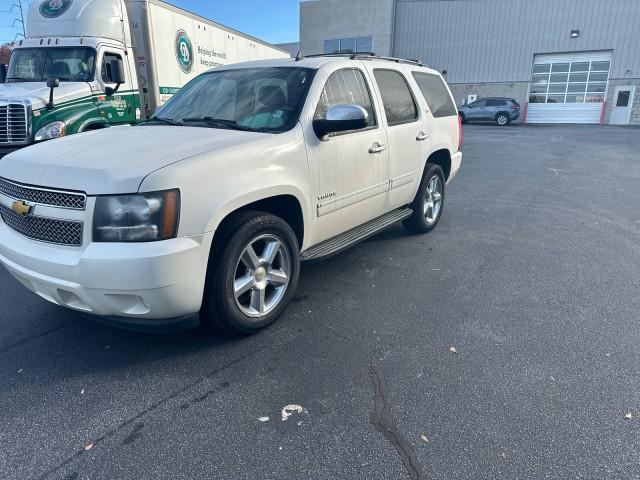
13, 124
50, 230
53, 198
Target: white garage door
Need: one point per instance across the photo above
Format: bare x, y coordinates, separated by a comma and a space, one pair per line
568, 88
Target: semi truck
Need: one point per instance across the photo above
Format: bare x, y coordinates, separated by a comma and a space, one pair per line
92, 64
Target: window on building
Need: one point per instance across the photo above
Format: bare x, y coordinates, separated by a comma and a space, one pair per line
623, 99
349, 45
332, 46
348, 87
569, 82
397, 98
436, 94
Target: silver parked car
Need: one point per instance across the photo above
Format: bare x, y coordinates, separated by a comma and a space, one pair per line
503, 111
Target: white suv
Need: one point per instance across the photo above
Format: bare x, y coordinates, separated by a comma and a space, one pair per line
211, 205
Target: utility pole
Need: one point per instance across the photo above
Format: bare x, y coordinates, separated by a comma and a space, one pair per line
21, 19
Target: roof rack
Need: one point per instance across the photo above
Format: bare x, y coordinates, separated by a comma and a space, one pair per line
362, 56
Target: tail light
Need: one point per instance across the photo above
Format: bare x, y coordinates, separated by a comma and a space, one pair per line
515, 107
459, 132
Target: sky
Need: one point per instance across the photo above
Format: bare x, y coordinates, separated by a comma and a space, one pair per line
276, 21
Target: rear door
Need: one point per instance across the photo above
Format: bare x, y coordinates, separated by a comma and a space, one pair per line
494, 107
406, 129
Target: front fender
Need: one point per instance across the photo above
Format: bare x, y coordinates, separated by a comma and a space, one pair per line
217, 183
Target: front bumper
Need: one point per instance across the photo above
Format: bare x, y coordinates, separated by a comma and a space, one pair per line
139, 283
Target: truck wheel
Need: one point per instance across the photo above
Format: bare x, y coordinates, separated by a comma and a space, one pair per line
253, 279
502, 119
429, 202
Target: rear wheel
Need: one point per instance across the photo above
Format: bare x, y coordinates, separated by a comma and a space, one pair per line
502, 119
255, 276
429, 202
463, 119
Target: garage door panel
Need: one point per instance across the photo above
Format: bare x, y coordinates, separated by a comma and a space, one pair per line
564, 113
569, 87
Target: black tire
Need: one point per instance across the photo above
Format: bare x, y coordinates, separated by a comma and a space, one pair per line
463, 119
418, 222
503, 119
220, 310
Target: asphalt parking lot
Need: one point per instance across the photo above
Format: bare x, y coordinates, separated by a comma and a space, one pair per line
532, 277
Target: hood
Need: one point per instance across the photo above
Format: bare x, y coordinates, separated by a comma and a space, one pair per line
116, 160
38, 92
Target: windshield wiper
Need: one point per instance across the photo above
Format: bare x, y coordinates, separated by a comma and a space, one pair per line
22, 79
168, 121
220, 123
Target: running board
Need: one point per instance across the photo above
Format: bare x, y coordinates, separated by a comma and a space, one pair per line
354, 236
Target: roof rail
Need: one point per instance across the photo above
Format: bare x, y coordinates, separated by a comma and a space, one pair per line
362, 56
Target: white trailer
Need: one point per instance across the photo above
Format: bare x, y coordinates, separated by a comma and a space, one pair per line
89, 64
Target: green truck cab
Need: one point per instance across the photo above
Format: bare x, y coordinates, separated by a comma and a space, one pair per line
92, 64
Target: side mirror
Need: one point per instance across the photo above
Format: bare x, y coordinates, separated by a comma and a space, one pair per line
52, 83
115, 74
3, 73
341, 118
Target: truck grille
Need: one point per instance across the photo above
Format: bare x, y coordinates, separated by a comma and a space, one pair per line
14, 128
53, 198
50, 230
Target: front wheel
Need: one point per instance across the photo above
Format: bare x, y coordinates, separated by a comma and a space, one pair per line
255, 276
429, 202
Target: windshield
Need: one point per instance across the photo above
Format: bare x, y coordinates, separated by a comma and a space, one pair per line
255, 99
39, 64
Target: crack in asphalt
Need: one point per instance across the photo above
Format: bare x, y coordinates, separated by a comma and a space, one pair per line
148, 410
381, 417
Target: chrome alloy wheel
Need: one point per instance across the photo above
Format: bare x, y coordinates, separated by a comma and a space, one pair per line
433, 200
262, 276
503, 120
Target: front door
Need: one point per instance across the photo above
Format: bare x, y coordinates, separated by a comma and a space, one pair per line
408, 132
350, 170
622, 105
477, 110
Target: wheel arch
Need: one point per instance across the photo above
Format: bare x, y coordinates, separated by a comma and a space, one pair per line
287, 206
441, 157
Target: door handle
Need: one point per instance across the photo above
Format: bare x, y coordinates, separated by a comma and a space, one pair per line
422, 137
377, 148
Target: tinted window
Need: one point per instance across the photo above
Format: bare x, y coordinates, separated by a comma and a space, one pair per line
346, 87
436, 94
106, 72
496, 103
396, 97
260, 99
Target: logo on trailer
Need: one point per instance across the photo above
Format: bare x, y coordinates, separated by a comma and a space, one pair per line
184, 51
54, 8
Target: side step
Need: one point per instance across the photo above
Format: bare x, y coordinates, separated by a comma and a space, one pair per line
342, 242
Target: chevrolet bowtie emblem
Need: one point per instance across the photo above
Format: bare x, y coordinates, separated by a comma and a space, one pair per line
21, 208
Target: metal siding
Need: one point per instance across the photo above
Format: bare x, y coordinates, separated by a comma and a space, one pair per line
479, 41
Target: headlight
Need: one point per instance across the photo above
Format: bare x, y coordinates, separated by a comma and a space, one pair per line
146, 217
52, 130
